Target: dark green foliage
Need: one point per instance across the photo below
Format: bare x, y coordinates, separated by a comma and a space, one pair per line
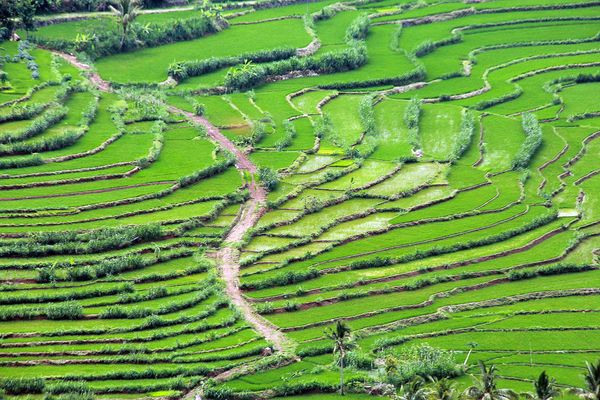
268, 177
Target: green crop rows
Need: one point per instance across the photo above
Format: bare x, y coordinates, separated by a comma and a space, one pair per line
431, 175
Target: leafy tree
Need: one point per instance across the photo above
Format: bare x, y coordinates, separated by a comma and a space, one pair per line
545, 389
341, 335
592, 382
484, 388
3, 77
14, 12
126, 12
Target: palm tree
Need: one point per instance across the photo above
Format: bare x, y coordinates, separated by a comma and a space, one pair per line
442, 389
126, 11
592, 382
545, 388
484, 388
341, 335
471, 345
413, 390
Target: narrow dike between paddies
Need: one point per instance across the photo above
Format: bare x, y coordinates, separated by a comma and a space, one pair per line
228, 256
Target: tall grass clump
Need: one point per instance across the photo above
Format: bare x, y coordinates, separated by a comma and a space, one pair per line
465, 135
412, 115
533, 140
358, 29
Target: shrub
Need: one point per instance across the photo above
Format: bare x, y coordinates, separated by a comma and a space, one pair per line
184, 69
533, 140
268, 177
288, 135
66, 310
367, 114
248, 75
18, 386
358, 29
465, 135
103, 42
60, 387
412, 115
37, 126
420, 360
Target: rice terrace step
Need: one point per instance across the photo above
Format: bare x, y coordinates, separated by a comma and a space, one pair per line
300, 199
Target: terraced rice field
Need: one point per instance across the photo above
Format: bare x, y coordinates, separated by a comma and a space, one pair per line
444, 191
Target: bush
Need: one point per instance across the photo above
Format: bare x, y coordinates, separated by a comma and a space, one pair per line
288, 135
268, 177
420, 360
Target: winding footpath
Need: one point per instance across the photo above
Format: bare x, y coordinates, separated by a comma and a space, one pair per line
228, 256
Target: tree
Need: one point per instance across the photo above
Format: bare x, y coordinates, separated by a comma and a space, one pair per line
484, 388
14, 12
126, 12
413, 390
341, 335
592, 382
545, 388
471, 345
442, 389
3, 77
26, 13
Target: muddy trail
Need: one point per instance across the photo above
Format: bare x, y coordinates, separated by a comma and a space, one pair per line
228, 256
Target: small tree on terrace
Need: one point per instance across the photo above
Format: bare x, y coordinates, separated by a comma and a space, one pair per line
126, 12
442, 389
592, 383
341, 335
545, 389
485, 388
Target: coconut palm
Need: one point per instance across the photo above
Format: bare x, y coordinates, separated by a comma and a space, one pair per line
545, 389
341, 335
126, 12
413, 390
471, 345
484, 388
592, 383
442, 389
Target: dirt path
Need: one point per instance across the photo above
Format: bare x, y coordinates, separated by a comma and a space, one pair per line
250, 212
